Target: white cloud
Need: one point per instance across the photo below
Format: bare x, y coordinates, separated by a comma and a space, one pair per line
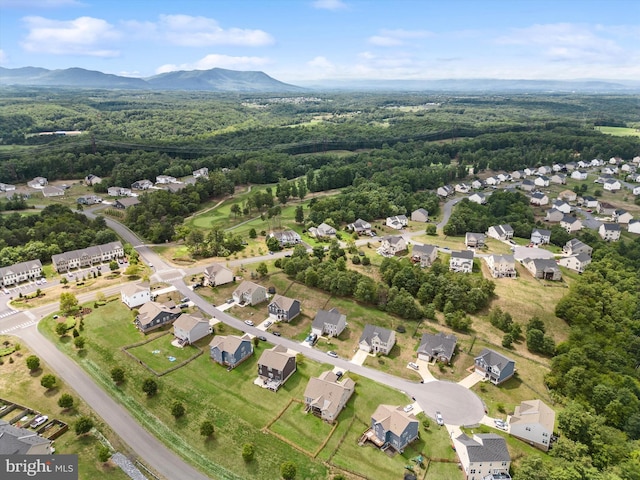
3, 57
39, 3
320, 62
189, 31
329, 4
394, 38
220, 61
82, 36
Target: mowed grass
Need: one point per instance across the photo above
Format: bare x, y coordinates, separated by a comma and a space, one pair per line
441, 470
620, 131
157, 353
302, 429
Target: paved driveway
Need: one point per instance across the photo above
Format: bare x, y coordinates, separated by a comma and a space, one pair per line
359, 357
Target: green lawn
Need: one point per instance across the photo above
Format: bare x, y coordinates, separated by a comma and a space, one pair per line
620, 131
157, 354
302, 429
441, 470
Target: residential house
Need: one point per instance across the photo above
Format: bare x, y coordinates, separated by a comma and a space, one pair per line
541, 181
360, 227
561, 205
596, 162
420, 215
500, 232
92, 179
610, 170
575, 246
533, 421
543, 268
504, 177
124, 203
568, 196
627, 168
553, 215
540, 236
286, 237
501, 266
558, 167
217, 274
230, 350
484, 456
583, 164
527, 185
622, 216
610, 232
461, 262
425, 254
284, 309
612, 185
275, 366
633, 177
52, 191
164, 179
88, 200
173, 187
5, 187
479, 198
397, 222
494, 366
462, 187
142, 185
249, 293
530, 171
135, 294
392, 427
392, 245
189, 329
544, 170
20, 272
636, 190
558, 178
329, 322
539, 198
588, 201
201, 172
153, 315
579, 175
518, 175
634, 226
577, 263
571, 224
477, 184
322, 230
615, 161
86, 257
22, 441
492, 181
438, 347
377, 340
474, 240
118, 192
570, 166
38, 182
326, 395
444, 191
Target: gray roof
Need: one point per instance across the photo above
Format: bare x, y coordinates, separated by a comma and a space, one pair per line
276, 357
544, 233
503, 229
371, 331
14, 440
422, 211
485, 447
21, 267
543, 264
94, 251
284, 303
423, 250
491, 357
466, 254
611, 226
438, 344
569, 219
128, 202
324, 317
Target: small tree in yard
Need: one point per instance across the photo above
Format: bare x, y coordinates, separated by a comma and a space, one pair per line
104, 454
150, 387
48, 381
33, 362
79, 342
248, 452
68, 303
61, 329
66, 401
177, 409
206, 428
117, 374
83, 425
113, 265
288, 470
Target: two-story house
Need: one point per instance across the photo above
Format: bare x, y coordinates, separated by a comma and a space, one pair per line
610, 232
474, 240
461, 262
20, 272
494, 366
217, 274
361, 227
326, 395
540, 236
322, 231
533, 421
392, 245
575, 246
397, 222
153, 315
328, 322
440, 347
283, 309
392, 427
230, 350
420, 215
500, 232
89, 256
484, 456
286, 237
188, 329
275, 366
249, 293
135, 294
577, 262
571, 224
424, 254
377, 340
501, 266
543, 268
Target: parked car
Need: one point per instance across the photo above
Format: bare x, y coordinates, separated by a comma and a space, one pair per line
55, 317
268, 323
229, 300
184, 299
439, 419
249, 322
39, 420
408, 408
339, 374
333, 354
414, 366
263, 338
277, 334
500, 424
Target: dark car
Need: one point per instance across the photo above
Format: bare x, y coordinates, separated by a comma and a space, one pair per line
277, 334
263, 338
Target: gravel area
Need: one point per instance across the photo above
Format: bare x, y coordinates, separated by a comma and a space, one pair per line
128, 467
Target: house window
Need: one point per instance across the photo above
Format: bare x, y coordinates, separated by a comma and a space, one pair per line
473, 470
545, 434
528, 429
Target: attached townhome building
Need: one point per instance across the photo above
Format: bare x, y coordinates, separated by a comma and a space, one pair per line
377, 340
533, 422
135, 294
86, 257
326, 395
501, 266
330, 323
20, 272
483, 457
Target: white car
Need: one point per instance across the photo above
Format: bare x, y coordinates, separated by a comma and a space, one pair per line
414, 366
268, 323
500, 424
333, 354
39, 420
249, 322
439, 419
408, 408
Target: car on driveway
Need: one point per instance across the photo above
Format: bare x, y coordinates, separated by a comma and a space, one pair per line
268, 323
414, 366
249, 322
333, 354
39, 420
500, 424
408, 408
439, 419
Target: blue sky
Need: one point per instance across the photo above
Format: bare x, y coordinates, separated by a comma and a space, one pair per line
313, 40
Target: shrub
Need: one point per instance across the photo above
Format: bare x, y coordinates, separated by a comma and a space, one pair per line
248, 452
79, 342
61, 329
206, 428
66, 401
150, 387
117, 374
104, 454
48, 381
288, 470
83, 425
33, 362
177, 409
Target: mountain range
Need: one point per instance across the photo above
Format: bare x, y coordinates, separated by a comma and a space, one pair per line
223, 80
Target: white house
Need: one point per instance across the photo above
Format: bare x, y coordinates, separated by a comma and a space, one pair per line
201, 172
501, 266
539, 198
444, 191
540, 236
533, 422
577, 263
189, 329
634, 226
483, 456
461, 262
571, 224
462, 188
135, 294
392, 245
500, 232
541, 181
164, 179
375, 339
217, 274
561, 205
544, 170
610, 232
579, 175
612, 185
19, 272
622, 216
479, 198
492, 181
558, 178
636, 190
397, 222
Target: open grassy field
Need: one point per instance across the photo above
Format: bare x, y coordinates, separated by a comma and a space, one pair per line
620, 131
302, 429
19, 385
160, 355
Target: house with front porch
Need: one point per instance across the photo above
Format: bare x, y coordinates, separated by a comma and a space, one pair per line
326, 395
494, 366
249, 293
393, 245
286, 237
397, 222
283, 309
377, 340
329, 322
360, 227
439, 347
